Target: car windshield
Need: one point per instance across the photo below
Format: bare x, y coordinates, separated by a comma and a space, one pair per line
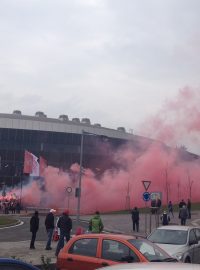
171, 237
150, 251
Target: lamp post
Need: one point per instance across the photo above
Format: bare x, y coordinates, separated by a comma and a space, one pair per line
80, 179
78, 190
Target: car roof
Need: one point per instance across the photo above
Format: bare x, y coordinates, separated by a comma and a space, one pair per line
17, 262
106, 235
153, 266
176, 227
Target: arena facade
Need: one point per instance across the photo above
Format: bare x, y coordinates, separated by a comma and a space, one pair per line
58, 141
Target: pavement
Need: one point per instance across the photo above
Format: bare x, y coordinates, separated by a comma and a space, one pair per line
114, 223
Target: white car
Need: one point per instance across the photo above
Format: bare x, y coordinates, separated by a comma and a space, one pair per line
153, 266
181, 242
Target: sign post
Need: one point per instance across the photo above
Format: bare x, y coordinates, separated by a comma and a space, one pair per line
69, 191
146, 198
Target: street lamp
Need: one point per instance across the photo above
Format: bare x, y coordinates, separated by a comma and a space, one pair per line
79, 180
78, 190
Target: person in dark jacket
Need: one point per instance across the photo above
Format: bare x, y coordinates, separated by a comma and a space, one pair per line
135, 218
183, 215
65, 226
165, 218
34, 226
49, 224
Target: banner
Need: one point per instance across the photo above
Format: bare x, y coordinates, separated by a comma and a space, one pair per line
28, 161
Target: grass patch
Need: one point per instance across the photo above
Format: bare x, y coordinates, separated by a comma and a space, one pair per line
7, 221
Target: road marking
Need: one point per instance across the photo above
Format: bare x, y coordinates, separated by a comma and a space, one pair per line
195, 222
21, 223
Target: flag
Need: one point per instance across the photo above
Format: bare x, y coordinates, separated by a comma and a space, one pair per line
28, 161
35, 166
43, 165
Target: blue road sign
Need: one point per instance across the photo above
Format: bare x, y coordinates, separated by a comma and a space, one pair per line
146, 196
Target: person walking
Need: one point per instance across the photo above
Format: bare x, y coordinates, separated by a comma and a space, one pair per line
65, 226
49, 224
170, 208
183, 214
96, 224
34, 226
135, 219
165, 219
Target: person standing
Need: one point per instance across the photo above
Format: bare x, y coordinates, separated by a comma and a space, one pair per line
135, 219
170, 208
49, 224
183, 214
65, 226
96, 224
34, 226
165, 218
189, 208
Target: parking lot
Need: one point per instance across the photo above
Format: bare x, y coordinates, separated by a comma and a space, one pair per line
15, 241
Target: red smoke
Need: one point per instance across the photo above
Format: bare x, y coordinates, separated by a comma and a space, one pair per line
171, 170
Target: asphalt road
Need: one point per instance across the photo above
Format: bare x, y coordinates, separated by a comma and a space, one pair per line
22, 232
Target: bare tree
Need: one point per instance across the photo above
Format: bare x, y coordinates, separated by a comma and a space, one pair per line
167, 185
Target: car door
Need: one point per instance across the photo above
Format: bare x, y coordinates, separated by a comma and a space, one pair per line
197, 246
81, 255
193, 246
114, 252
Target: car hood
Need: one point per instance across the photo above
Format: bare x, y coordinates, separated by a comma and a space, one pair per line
172, 249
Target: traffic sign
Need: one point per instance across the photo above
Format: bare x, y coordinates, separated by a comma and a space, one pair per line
156, 195
68, 189
146, 196
146, 184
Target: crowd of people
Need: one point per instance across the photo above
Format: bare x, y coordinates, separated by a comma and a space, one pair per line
184, 213
64, 225
10, 206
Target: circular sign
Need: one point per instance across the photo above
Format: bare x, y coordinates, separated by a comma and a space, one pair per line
146, 196
68, 189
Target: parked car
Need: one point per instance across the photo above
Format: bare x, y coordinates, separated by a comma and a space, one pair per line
153, 266
12, 264
91, 251
181, 242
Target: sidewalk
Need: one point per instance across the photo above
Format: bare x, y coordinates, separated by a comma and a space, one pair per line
115, 223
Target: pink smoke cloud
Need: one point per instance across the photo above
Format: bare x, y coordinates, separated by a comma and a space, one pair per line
172, 171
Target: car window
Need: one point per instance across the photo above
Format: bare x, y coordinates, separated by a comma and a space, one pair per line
192, 236
117, 251
85, 247
197, 231
149, 250
167, 236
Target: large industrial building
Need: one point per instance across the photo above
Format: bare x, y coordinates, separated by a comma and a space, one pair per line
59, 142
56, 140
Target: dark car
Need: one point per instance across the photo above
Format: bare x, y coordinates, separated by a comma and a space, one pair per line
12, 264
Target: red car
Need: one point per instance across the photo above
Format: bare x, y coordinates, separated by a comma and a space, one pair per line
92, 251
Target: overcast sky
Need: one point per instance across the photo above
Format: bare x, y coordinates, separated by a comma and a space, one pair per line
113, 61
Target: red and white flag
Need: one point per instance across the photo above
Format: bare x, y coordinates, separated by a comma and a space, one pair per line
31, 165
43, 165
35, 166
28, 161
